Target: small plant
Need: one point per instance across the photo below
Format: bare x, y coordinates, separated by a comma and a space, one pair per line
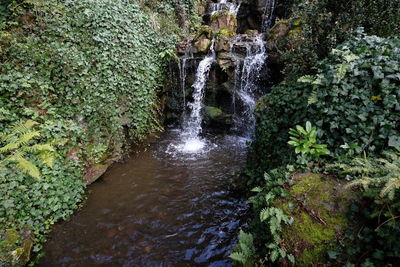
18, 145
382, 173
305, 143
245, 252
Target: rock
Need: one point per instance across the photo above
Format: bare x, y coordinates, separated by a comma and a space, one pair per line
94, 172
251, 32
222, 44
217, 116
279, 30
318, 206
202, 45
204, 31
228, 87
15, 248
225, 60
224, 20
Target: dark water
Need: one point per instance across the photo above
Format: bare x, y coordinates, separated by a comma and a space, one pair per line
157, 209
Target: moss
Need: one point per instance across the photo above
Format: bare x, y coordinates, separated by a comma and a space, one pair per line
225, 33
319, 210
204, 30
217, 15
213, 112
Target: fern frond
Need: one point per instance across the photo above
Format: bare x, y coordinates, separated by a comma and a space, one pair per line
39, 148
9, 147
28, 168
390, 187
47, 158
237, 256
364, 182
26, 137
313, 98
23, 127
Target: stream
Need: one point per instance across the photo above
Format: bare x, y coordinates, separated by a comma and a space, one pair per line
158, 208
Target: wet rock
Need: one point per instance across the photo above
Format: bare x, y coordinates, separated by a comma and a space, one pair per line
225, 60
222, 44
224, 20
204, 31
202, 45
217, 116
95, 171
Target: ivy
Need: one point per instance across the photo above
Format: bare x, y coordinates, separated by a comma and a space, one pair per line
353, 100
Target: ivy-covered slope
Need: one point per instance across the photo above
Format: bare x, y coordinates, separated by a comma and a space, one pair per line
89, 72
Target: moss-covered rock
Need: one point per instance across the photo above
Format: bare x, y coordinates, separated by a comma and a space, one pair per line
224, 20
202, 45
15, 248
214, 115
204, 31
318, 206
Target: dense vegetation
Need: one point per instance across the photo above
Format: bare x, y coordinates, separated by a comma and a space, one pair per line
342, 80
86, 77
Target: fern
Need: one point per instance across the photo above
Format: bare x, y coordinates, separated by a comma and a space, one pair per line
383, 173
20, 143
245, 252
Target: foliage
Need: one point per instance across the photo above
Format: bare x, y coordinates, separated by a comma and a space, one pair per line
90, 71
381, 173
376, 241
18, 145
244, 251
269, 220
38, 204
355, 100
319, 26
305, 143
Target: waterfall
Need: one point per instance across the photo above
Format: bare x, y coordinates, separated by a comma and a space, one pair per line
192, 124
247, 72
233, 7
268, 13
182, 73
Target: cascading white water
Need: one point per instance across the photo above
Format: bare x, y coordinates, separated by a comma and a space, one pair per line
246, 75
192, 142
268, 13
233, 6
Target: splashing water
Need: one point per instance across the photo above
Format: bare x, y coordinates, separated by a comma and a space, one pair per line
192, 142
247, 72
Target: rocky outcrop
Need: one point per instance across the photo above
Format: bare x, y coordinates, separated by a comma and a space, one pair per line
224, 21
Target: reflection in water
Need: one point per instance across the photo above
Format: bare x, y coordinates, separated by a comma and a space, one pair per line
157, 209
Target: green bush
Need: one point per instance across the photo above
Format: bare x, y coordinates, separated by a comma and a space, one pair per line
322, 25
375, 242
353, 99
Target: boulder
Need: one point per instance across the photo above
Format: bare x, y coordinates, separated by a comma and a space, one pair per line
224, 20
15, 247
214, 115
202, 45
318, 206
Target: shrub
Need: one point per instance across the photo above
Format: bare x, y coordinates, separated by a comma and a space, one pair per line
320, 26
376, 241
353, 99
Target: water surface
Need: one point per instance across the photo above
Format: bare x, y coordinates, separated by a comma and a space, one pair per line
158, 208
